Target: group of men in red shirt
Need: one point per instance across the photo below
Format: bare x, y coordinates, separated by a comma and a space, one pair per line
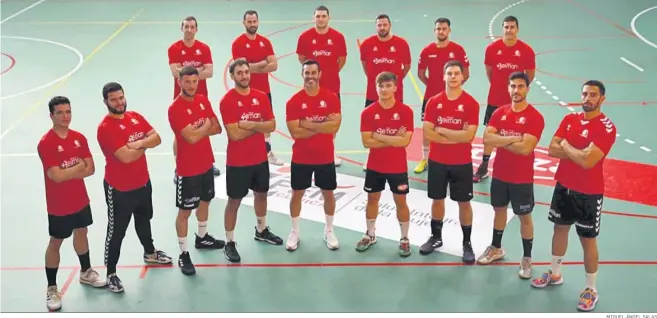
313, 117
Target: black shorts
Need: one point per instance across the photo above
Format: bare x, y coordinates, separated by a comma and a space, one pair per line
521, 196
191, 190
240, 179
271, 101
424, 106
302, 176
376, 182
339, 97
61, 227
458, 177
570, 207
490, 109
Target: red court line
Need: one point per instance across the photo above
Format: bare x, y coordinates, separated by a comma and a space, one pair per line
144, 271
580, 79
11, 65
69, 280
591, 12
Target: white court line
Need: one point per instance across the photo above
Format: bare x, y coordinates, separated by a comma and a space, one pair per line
636, 32
51, 83
22, 11
631, 64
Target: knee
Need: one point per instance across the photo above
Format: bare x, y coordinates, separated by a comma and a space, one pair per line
183, 215
297, 195
260, 196
373, 199
82, 232
55, 244
526, 220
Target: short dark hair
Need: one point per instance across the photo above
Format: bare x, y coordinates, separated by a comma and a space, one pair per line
56, 101
386, 77
250, 12
111, 87
236, 63
443, 20
453, 63
383, 16
519, 75
187, 71
322, 8
311, 62
597, 84
188, 19
511, 19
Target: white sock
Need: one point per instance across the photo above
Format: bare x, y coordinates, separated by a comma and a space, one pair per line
229, 236
182, 243
590, 280
262, 223
202, 228
425, 152
329, 222
295, 224
556, 265
268, 139
371, 223
404, 229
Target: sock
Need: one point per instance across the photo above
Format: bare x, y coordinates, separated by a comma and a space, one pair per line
295, 224
590, 280
51, 275
527, 247
182, 243
555, 266
268, 144
329, 222
486, 158
404, 229
85, 263
437, 229
262, 223
467, 231
202, 229
497, 238
370, 227
229, 236
425, 152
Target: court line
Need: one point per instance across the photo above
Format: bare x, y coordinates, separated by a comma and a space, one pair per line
95, 51
236, 22
168, 154
630, 63
53, 82
636, 31
11, 64
22, 11
591, 12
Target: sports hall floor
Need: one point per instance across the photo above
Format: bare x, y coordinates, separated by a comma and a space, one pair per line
73, 47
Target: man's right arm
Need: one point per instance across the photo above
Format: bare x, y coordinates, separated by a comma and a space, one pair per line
491, 138
55, 172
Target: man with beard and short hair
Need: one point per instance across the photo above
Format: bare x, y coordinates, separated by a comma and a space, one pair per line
258, 51
582, 142
432, 61
247, 116
124, 136
514, 130
327, 46
193, 122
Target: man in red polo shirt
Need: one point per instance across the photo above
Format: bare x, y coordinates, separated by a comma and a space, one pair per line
189, 51
259, 52
514, 130
503, 57
386, 128
328, 47
124, 136
247, 116
582, 142
313, 115
66, 161
450, 124
432, 61
193, 122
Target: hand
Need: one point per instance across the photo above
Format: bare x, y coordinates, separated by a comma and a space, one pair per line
332, 117
563, 143
245, 124
135, 145
401, 131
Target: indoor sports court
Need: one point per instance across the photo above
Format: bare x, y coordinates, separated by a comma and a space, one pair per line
73, 47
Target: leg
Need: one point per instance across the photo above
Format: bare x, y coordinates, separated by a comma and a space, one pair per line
81, 221
482, 171
374, 184
437, 191
499, 199
175, 154
270, 154
522, 203
588, 229
237, 187
300, 179
59, 228
461, 189
327, 181
203, 239
120, 207
425, 146
143, 215
399, 187
188, 196
260, 187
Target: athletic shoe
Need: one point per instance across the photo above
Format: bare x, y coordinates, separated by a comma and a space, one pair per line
271, 157
547, 279
292, 241
525, 268
337, 161
432, 244
481, 174
587, 300
114, 284
404, 247
468, 253
365, 243
92, 278
53, 298
331, 240
421, 166
185, 264
215, 171
267, 236
208, 242
159, 257
230, 251
491, 254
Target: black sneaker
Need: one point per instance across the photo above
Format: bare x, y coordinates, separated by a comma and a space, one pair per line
468, 253
267, 236
431, 245
215, 171
208, 242
159, 257
114, 284
481, 174
230, 251
185, 264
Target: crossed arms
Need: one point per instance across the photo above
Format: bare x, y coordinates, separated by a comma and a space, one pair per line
301, 128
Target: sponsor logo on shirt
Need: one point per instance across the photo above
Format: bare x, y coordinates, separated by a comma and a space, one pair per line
318, 53
504, 66
509, 132
136, 136
387, 131
448, 120
383, 60
251, 116
70, 162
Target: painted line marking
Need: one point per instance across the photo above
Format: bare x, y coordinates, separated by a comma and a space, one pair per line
12, 63
161, 154
630, 63
57, 80
45, 95
636, 31
629, 141
22, 11
178, 22
644, 148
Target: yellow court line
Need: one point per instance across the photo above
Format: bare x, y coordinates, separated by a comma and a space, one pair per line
47, 94
178, 22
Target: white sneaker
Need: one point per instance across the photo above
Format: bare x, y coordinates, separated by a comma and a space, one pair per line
271, 157
331, 240
92, 278
525, 271
53, 298
292, 241
338, 161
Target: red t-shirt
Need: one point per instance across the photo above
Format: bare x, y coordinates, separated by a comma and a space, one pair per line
114, 133
377, 119
192, 159
318, 149
454, 115
254, 51
505, 60
70, 196
388, 56
580, 132
508, 166
325, 49
197, 55
235, 107
434, 59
